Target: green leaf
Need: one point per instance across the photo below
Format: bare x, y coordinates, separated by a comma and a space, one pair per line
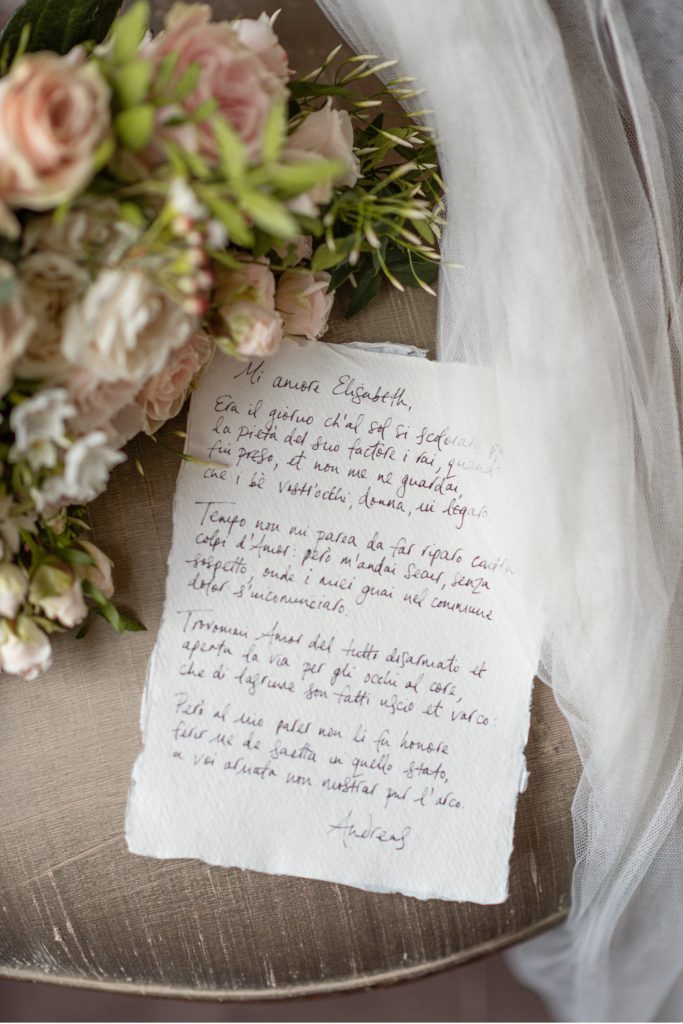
57, 25
274, 132
134, 127
410, 270
128, 31
270, 215
366, 290
129, 624
292, 179
303, 90
232, 151
186, 84
231, 219
131, 82
339, 276
324, 257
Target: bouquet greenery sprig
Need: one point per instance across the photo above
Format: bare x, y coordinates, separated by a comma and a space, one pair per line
162, 197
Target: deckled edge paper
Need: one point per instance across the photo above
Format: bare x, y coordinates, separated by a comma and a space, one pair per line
207, 809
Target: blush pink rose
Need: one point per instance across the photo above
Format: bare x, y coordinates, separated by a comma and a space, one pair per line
304, 302
230, 73
253, 330
54, 113
258, 36
163, 395
326, 133
253, 282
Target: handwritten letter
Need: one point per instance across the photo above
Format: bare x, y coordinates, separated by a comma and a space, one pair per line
338, 689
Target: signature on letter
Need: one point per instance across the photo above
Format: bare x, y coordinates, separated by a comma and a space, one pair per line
348, 829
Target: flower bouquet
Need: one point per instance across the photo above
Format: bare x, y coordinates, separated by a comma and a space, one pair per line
161, 197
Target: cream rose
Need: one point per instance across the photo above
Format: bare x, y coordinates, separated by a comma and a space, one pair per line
13, 589
54, 113
96, 402
93, 227
230, 73
255, 331
327, 133
163, 395
304, 302
253, 282
24, 648
124, 327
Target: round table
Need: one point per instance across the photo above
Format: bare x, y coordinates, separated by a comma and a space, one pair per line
77, 908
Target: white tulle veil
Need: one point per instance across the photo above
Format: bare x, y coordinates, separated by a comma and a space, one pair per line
560, 128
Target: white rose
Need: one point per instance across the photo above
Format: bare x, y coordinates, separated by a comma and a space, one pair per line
50, 282
13, 588
86, 470
99, 574
24, 650
124, 327
39, 423
17, 326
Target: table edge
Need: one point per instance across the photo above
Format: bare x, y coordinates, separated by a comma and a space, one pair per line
330, 986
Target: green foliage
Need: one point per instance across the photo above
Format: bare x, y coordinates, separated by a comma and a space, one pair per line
56, 25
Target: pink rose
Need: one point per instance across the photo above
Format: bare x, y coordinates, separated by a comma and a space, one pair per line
258, 36
326, 133
163, 395
253, 282
300, 249
253, 330
54, 113
230, 73
304, 302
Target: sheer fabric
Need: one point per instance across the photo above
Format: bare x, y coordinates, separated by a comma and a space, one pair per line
561, 141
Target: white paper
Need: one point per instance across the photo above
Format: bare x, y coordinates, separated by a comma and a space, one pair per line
338, 689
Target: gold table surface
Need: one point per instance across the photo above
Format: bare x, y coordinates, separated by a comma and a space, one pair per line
77, 908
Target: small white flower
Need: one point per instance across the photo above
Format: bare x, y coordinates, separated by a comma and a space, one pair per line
86, 470
38, 424
184, 201
13, 588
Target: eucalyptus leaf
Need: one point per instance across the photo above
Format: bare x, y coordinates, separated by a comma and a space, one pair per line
57, 25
